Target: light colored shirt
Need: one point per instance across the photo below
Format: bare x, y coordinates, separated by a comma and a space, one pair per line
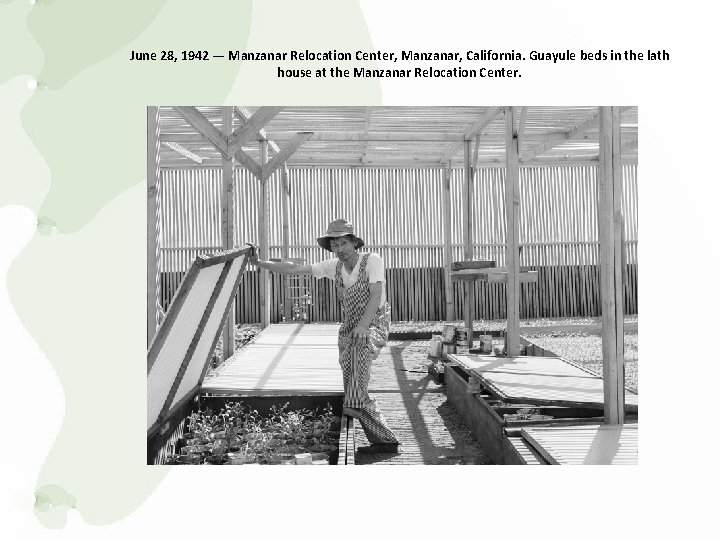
375, 270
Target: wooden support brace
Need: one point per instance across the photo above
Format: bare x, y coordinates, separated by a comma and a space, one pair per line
249, 163
197, 120
251, 127
287, 151
575, 133
243, 114
472, 131
184, 152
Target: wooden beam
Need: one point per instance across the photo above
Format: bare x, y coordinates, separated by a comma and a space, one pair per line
400, 164
487, 270
473, 130
153, 254
264, 241
243, 114
184, 152
249, 163
523, 277
251, 127
495, 277
205, 128
575, 133
447, 246
287, 151
227, 228
609, 184
285, 198
467, 236
512, 254
362, 136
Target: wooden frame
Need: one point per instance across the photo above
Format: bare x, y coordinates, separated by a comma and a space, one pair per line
203, 261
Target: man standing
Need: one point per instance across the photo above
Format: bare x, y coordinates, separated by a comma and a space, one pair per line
360, 282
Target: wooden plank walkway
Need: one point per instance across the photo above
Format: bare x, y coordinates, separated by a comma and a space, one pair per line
585, 445
286, 359
540, 380
291, 359
430, 430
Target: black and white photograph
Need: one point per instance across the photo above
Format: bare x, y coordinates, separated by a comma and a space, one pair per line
392, 285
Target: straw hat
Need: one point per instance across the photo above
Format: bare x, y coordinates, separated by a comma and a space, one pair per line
336, 229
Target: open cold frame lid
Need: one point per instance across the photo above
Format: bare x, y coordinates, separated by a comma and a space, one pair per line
182, 348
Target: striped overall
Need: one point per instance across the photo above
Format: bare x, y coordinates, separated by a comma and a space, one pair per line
355, 360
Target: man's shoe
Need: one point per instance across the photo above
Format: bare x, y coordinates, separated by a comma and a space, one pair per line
379, 448
354, 413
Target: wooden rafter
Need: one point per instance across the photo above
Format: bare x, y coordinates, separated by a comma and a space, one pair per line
287, 151
274, 137
251, 127
263, 172
205, 128
243, 114
400, 163
249, 163
183, 152
473, 130
577, 132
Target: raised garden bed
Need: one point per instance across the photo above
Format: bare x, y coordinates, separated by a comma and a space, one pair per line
264, 430
490, 419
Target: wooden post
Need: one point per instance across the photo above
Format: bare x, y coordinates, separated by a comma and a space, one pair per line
287, 303
609, 184
467, 237
263, 239
447, 247
512, 220
227, 230
153, 172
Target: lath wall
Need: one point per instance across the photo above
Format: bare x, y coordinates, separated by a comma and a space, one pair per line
398, 213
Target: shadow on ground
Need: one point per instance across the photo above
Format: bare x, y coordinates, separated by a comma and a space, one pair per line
429, 429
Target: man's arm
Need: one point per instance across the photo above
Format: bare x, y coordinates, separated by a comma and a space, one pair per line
361, 332
286, 268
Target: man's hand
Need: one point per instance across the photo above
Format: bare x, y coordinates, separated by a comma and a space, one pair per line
360, 334
252, 256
